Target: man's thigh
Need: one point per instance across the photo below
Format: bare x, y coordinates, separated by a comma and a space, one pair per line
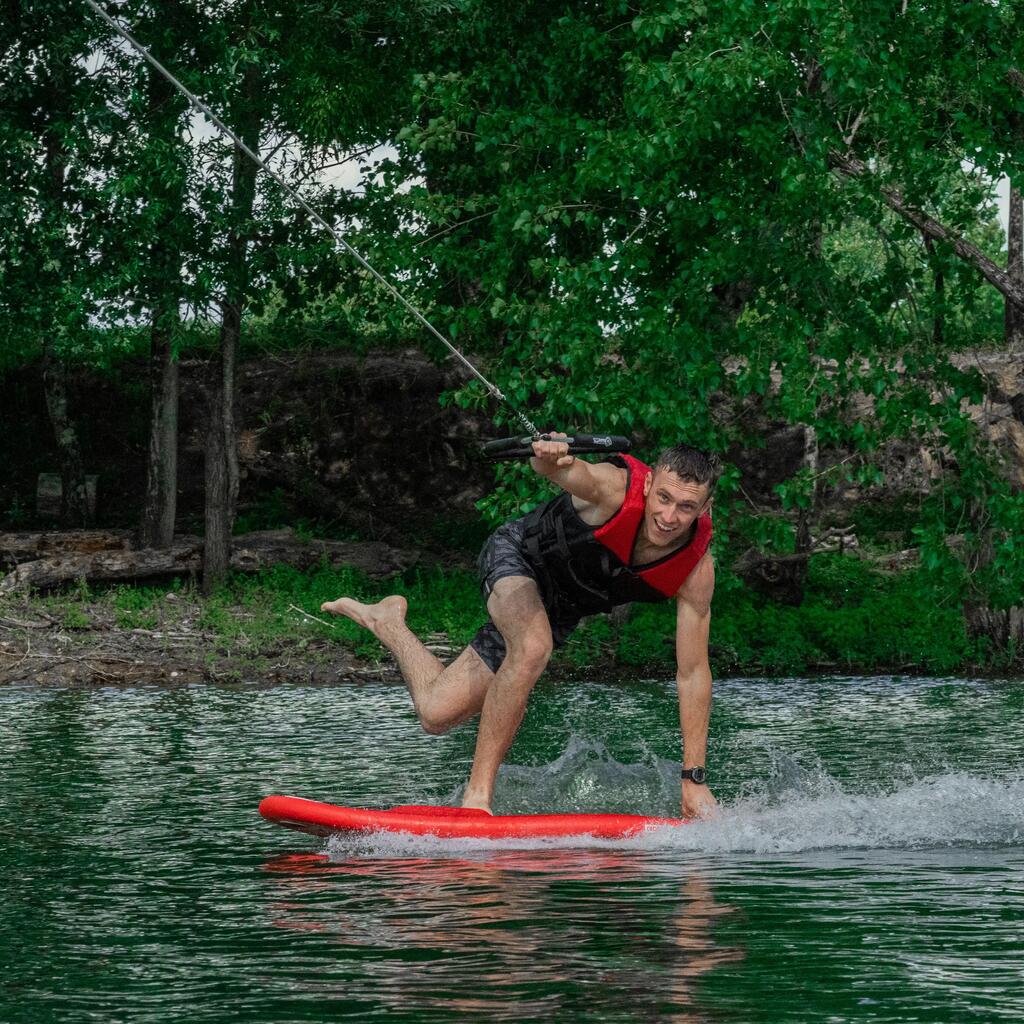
516, 608
456, 694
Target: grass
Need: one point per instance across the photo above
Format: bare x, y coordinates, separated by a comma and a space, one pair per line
854, 619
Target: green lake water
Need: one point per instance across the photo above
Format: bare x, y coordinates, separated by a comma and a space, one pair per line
868, 863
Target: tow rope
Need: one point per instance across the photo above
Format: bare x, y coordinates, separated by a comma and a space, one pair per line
508, 448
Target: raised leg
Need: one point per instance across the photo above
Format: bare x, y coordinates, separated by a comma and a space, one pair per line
518, 612
442, 696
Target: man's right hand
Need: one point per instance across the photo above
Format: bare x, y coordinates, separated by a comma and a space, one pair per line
552, 455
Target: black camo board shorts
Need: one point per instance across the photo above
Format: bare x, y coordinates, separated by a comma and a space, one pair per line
502, 556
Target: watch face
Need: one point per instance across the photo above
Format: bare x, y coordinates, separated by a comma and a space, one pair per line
699, 775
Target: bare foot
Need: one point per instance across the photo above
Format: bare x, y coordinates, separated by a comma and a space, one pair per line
477, 804
374, 617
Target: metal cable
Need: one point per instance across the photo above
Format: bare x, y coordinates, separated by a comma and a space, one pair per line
198, 104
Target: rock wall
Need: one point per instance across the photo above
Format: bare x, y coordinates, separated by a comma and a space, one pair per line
359, 442
362, 443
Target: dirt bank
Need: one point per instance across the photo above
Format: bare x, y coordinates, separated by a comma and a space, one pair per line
89, 648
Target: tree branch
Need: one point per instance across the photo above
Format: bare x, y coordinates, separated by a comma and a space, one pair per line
996, 275
792, 127
852, 133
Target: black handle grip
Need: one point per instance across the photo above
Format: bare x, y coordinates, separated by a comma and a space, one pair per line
507, 448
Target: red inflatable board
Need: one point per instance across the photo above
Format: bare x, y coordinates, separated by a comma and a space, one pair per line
451, 822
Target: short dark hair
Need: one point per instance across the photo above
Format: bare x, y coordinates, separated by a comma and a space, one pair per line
691, 464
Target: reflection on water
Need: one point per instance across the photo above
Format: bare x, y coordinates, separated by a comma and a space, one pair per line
491, 916
868, 863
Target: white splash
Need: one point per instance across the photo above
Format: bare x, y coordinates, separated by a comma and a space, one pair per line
798, 807
949, 810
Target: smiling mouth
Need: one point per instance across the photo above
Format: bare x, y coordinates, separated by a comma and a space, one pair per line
665, 530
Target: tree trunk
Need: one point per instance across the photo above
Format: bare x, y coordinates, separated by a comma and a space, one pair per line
221, 472
74, 500
804, 516
1003, 628
74, 504
221, 475
1014, 312
938, 324
156, 527
161, 497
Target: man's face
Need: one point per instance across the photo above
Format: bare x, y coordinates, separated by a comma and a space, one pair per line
672, 506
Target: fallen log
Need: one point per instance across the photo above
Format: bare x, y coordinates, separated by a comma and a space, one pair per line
27, 547
780, 577
250, 553
105, 566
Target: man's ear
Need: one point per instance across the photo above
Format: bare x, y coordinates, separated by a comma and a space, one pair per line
648, 480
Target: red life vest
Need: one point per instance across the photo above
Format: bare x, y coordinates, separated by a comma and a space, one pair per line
586, 569
619, 534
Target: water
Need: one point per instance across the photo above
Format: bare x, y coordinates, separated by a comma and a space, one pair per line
869, 864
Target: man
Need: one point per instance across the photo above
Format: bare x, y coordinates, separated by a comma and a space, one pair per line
619, 532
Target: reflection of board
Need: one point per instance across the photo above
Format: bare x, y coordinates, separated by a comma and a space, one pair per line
451, 822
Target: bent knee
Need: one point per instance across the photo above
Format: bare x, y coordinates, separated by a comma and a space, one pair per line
438, 717
435, 726
531, 653
433, 721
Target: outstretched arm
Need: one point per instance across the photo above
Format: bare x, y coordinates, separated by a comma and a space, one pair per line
599, 485
693, 678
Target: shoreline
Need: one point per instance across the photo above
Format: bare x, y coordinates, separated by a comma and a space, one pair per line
265, 628
50, 655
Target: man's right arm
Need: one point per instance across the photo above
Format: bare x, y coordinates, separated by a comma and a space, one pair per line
597, 484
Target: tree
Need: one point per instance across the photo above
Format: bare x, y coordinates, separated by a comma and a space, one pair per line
268, 79
148, 167
52, 116
653, 193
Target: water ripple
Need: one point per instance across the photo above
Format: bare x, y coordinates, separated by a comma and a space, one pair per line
868, 862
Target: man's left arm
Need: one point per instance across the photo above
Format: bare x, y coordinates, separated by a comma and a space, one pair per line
693, 678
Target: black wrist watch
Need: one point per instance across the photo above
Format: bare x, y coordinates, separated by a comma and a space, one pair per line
698, 775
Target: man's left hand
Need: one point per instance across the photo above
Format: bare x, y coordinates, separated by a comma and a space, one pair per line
698, 801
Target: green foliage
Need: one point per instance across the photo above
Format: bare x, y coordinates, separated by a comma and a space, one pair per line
636, 217
636, 220
590, 645
897, 515
647, 639
74, 618
853, 619
138, 607
114, 211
